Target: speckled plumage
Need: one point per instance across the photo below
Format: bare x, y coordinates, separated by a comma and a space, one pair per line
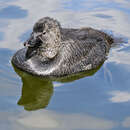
55, 51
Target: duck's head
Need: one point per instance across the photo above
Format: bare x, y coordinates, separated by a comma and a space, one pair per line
46, 36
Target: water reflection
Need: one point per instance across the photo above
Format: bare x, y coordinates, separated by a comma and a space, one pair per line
15, 12
51, 120
37, 91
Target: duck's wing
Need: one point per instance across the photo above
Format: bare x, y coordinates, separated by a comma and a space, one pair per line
85, 51
95, 57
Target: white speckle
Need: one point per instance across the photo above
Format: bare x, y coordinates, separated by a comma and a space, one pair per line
57, 84
119, 96
88, 67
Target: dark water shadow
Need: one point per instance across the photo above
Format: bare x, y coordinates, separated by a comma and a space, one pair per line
37, 91
104, 16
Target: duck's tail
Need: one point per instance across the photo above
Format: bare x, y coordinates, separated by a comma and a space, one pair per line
109, 38
114, 39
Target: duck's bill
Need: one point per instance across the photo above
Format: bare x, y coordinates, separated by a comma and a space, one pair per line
28, 44
34, 44
34, 41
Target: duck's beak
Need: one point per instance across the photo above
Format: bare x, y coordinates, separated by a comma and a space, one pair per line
33, 40
29, 44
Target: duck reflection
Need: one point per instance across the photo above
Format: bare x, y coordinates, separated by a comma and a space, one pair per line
37, 91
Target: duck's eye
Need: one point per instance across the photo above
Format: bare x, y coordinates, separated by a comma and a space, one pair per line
44, 32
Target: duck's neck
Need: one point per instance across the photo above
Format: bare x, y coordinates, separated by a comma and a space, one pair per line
41, 55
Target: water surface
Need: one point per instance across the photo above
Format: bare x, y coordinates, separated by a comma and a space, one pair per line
99, 101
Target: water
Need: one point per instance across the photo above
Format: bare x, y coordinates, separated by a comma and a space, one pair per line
97, 102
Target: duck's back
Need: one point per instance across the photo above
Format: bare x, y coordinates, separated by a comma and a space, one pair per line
85, 34
84, 49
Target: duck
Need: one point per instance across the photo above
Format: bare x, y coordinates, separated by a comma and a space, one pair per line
53, 51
